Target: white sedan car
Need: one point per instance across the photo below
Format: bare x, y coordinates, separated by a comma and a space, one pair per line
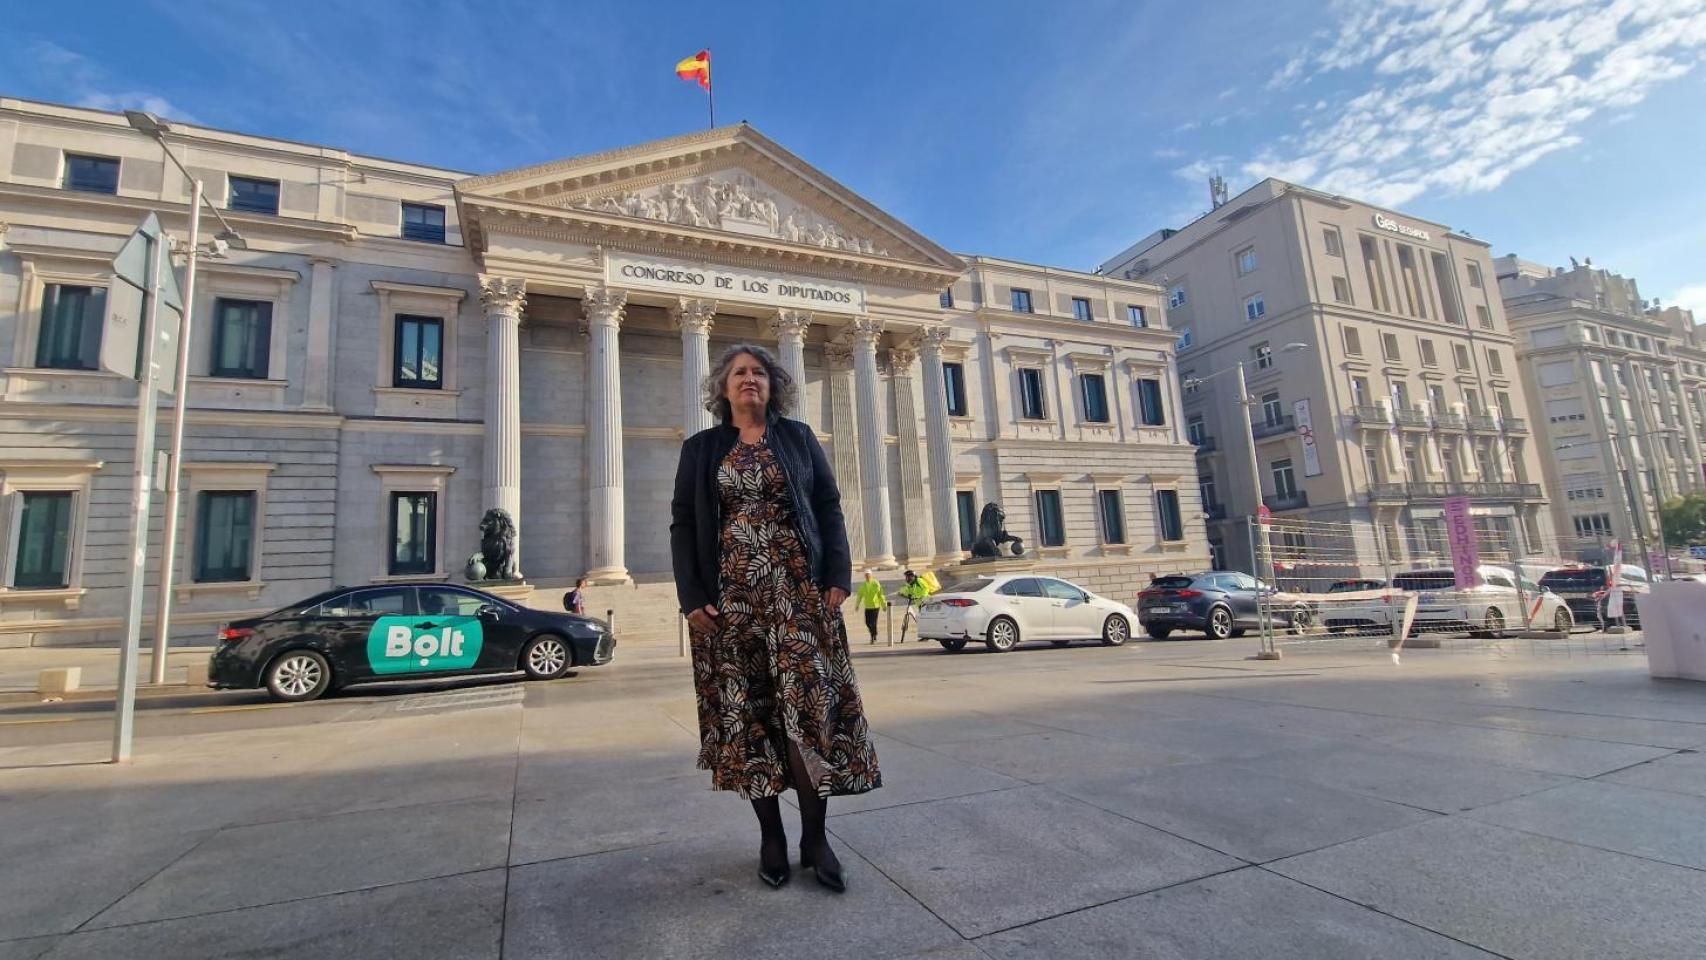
1002, 610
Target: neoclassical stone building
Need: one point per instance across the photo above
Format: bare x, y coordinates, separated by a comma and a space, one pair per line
400, 348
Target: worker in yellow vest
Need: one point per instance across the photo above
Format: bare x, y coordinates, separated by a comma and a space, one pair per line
871, 599
913, 592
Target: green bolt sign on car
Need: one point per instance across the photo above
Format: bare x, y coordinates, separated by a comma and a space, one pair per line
423, 644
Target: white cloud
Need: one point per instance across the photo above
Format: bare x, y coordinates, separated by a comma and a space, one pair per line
88, 85
1169, 153
1455, 96
1691, 297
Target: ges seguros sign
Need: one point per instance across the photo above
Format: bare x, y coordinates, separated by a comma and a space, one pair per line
1385, 222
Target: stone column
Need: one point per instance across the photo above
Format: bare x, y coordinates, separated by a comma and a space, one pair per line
694, 319
606, 520
845, 441
912, 502
790, 327
940, 443
873, 453
503, 298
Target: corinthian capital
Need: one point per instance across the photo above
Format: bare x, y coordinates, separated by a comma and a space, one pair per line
603, 305
503, 295
790, 322
901, 359
839, 355
693, 316
866, 330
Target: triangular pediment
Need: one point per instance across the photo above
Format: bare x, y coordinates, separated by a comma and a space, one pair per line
731, 181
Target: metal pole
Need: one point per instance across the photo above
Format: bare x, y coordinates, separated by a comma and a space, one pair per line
124, 717
174, 467
1255, 467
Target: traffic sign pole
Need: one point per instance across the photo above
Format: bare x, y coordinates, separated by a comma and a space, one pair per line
124, 718
174, 468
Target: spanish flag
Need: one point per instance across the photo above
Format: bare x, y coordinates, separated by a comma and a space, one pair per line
696, 68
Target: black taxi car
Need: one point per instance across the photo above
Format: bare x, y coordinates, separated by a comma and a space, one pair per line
351, 635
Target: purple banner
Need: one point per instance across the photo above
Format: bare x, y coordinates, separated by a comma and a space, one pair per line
1465, 551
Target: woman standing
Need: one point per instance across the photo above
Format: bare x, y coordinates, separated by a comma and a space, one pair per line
761, 569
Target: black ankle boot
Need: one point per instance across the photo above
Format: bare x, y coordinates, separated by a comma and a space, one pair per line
817, 856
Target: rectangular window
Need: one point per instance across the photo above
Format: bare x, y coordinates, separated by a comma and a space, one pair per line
1205, 487
1285, 482
1483, 316
1246, 261
1263, 355
1272, 411
253, 195
1254, 307
1049, 518
1472, 401
946, 299
91, 174
1460, 353
419, 353
1436, 398
44, 541
1031, 399
1330, 240
1095, 390
1429, 357
1021, 301
965, 502
1150, 411
1168, 517
1341, 290
954, 382
1503, 399
1196, 431
1134, 313
423, 222
1185, 339
1176, 297
1353, 342
1474, 275
1081, 309
1493, 362
1113, 516
71, 322
1389, 347
414, 533
1359, 391
242, 338
225, 536
1593, 525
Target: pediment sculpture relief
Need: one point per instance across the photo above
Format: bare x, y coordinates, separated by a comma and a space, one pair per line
733, 203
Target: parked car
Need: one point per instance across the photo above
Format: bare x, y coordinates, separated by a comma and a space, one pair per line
368, 634
1363, 615
1221, 604
1585, 590
1003, 611
1487, 610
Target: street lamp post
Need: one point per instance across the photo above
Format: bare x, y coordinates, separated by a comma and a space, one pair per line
154, 127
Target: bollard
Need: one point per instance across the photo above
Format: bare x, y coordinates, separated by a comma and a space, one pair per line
888, 618
610, 620
60, 680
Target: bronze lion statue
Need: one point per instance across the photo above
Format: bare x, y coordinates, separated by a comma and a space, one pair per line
496, 559
992, 533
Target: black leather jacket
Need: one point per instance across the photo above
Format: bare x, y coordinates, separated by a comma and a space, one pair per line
696, 510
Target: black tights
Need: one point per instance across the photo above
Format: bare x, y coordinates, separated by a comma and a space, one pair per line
813, 809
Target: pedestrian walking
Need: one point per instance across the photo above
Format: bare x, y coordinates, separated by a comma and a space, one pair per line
762, 567
575, 600
872, 600
913, 592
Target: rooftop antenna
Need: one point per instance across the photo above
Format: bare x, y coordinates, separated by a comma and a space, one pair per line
1216, 191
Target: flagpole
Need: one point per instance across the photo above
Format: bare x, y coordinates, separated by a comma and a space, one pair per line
710, 91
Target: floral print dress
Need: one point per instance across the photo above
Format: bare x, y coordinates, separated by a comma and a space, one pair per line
776, 670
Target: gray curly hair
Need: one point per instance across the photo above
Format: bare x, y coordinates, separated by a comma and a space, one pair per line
783, 390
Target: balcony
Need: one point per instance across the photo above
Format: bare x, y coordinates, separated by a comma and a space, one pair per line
1204, 444
1263, 429
1484, 423
1414, 419
1295, 500
1450, 421
1516, 425
1435, 490
1369, 414
1389, 492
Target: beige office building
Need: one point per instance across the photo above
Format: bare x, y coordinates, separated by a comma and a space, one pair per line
1382, 377
401, 348
1618, 388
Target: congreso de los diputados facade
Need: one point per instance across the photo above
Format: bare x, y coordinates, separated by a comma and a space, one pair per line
398, 348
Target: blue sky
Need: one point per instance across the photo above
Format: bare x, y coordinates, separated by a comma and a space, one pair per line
1055, 133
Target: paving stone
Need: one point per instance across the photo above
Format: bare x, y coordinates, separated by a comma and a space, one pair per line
1644, 823
1248, 815
1533, 751
912, 775
688, 900
1678, 773
50, 883
606, 813
265, 863
1517, 894
454, 918
30, 949
997, 860
1441, 784
1058, 754
1246, 915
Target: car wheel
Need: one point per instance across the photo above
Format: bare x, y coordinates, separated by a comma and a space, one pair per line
954, 645
1495, 628
545, 657
298, 675
1158, 633
1003, 635
1219, 624
1301, 620
1061, 643
1115, 631
1563, 621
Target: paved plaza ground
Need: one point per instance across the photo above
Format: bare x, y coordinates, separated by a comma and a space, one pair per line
1164, 800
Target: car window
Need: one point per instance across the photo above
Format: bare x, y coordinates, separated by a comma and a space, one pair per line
1061, 590
1022, 587
1498, 580
1425, 580
367, 603
1240, 581
972, 585
1170, 583
445, 602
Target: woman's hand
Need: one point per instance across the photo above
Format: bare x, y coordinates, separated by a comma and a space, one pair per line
835, 598
704, 619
